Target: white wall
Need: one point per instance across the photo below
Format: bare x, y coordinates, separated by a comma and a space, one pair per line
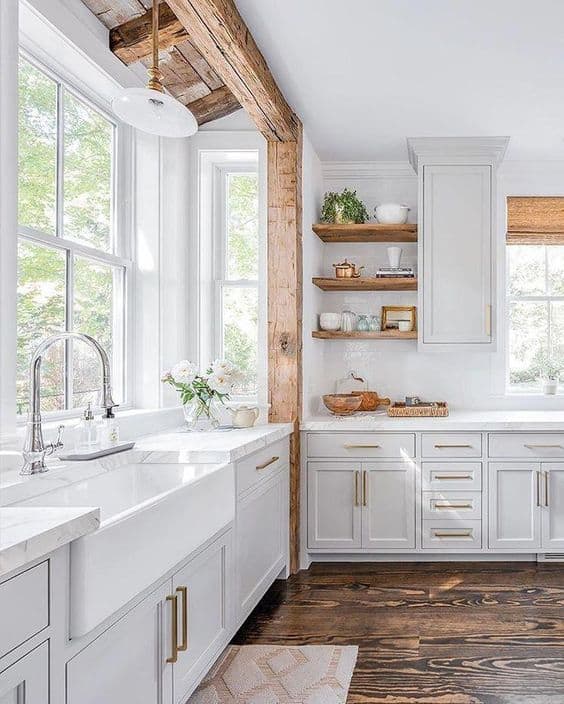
466, 379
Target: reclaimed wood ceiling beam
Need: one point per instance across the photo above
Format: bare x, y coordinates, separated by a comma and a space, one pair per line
222, 37
219, 103
131, 41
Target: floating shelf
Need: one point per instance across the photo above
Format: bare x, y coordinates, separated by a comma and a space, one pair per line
357, 335
366, 284
366, 232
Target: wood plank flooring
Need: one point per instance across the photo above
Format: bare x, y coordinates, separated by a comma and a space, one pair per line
428, 633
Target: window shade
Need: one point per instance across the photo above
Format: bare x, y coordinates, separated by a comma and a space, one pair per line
535, 220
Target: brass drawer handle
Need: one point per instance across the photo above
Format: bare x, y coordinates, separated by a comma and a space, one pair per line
173, 628
356, 482
452, 476
365, 488
547, 447
447, 506
184, 592
349, 446
445, 447
538, 488
460, 534
546, 480
272, 460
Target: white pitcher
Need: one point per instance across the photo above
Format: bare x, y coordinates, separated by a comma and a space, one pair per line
244, 416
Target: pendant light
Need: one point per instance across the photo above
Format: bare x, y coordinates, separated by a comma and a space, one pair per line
150, 109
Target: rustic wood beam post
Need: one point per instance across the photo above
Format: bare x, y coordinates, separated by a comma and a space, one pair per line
285, 308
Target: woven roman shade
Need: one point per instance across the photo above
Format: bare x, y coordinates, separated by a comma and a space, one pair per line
535, 220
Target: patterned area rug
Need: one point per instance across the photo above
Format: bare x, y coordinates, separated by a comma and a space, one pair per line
271, 674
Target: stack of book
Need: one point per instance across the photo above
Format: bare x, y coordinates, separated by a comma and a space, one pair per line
402, 272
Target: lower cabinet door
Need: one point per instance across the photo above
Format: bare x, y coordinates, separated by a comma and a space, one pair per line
334, 505
514, 503
388, 498
203, 596
262, 541
552, 501
27, 680
128, 662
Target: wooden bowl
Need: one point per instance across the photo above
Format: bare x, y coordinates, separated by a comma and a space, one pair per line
371, 400
342, 404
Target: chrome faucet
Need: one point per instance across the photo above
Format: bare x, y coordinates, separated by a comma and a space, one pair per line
34, 449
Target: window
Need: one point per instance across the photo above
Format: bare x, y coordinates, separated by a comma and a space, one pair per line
72, 265
237, 285
535, 292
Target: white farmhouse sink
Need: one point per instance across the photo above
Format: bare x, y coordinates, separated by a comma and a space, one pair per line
151, 517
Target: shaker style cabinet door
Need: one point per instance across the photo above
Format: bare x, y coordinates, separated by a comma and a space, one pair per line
388, 497
552, 501
334, 505
515, 506
27, 680
457, 267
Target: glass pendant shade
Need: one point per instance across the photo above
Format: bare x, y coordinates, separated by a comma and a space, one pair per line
154, 112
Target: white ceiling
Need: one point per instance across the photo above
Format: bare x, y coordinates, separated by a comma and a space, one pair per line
365, 74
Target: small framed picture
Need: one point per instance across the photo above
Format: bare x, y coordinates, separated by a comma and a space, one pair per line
402, 318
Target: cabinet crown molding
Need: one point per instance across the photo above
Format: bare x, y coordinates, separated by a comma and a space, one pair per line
360, 170
489, 150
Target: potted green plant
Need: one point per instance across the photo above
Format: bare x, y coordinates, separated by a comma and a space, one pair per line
343, 208
550, 377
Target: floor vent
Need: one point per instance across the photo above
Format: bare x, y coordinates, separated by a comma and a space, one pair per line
551, 557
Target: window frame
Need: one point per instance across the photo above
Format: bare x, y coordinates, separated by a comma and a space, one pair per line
509, 299
120, 253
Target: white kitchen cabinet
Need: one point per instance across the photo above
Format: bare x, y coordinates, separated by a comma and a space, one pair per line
334, 505
262, 540
27, 680
514, 505
457, 245
388, 511
203, 591
128, 662
552, 506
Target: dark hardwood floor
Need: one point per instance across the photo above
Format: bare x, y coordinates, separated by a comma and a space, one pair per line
440, 633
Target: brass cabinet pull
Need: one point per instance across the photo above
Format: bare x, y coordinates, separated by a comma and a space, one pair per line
350, 446
545, 488
488, 319
184, 592
460, 534
546, 447
173, 628
446, 447
452, 476
365, 488
272, 460
538, 487
356, 478
447, 506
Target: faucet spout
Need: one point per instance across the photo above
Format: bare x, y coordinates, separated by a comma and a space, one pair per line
35, 450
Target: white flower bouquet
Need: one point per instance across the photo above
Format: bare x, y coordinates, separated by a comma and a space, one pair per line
200, 392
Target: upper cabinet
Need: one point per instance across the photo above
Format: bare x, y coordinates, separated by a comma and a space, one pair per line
456, 226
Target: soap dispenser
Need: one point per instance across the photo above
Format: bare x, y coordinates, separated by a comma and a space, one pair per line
86, 430
108, 429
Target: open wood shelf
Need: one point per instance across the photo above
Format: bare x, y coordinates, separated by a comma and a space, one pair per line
358, 335
366, 232
366, 284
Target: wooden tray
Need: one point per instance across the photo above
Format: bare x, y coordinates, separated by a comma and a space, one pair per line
400, 410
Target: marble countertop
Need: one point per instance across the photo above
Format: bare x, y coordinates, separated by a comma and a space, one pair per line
29, 533
457, 420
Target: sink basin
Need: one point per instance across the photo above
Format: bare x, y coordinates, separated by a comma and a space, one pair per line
151, 517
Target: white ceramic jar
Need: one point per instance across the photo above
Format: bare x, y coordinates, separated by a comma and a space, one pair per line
391, 213
330, 321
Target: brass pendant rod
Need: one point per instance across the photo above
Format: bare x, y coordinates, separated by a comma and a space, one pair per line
154, 73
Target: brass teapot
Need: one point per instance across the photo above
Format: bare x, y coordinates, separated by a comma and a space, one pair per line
347, 270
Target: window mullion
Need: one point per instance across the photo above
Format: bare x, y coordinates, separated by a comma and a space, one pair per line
69, 327
60, 161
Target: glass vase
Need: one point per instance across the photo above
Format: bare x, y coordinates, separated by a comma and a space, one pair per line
201, 416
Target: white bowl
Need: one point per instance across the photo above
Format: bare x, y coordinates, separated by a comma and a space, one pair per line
391, 213
330, 321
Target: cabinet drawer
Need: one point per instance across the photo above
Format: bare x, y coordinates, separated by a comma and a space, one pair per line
350, 445
261, 465
451, 445
441, 535
24, 605
451, 476
526, 445
452, 505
